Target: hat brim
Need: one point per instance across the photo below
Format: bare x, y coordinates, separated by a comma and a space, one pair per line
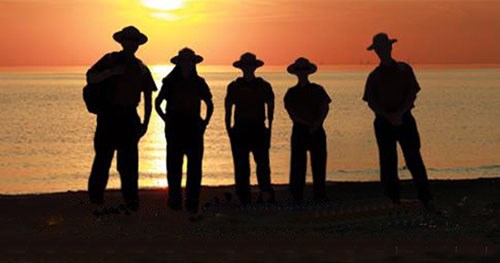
120, 37
195, 59
295, 70
373, 46
241, 64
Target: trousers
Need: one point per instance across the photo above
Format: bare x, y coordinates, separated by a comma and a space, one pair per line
184, 140
245, 139
117, 130
408, 137
302, 142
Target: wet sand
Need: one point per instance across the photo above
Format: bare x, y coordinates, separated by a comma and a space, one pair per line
357, 224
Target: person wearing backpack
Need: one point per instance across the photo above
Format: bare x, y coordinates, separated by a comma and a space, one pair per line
250, 96
121, 79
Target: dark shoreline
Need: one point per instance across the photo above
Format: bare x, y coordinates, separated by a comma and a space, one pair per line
279, 186
358, 224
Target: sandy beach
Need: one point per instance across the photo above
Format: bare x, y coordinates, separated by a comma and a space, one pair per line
358, 224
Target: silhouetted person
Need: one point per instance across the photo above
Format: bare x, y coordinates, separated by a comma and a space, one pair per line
250, 95
391, 90
307, 104
123, 77
184, 90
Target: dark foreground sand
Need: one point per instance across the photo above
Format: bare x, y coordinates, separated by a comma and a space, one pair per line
357, 225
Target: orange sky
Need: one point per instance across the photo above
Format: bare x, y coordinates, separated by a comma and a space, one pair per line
78, 32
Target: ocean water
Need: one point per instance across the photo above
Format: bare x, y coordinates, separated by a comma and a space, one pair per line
46, 133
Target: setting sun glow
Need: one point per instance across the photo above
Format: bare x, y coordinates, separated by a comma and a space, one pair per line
163, 5
164, 9
328, 32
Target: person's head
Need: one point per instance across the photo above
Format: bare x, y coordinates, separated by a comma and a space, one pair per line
382, 45
129, 46
248, 63
186, 61
302, 68
130, 38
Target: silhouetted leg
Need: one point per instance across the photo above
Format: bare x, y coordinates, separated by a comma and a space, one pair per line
128, 167
318, 164
241, 155
194, 173
104, 151
410, 144
174, 174
298, 166
261, 158
388, 158
242, 172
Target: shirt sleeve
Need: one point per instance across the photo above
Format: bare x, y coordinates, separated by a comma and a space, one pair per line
324, 95
269, 92
286, 99
229, 93
148, 81
164, 94
413, 80
368, 94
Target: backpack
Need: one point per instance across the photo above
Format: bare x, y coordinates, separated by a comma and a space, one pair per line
93, 97
97, 95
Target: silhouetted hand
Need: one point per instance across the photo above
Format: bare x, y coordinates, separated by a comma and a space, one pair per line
268, 135
228, 128
204, 124
270, 129
314, 127
163, 117
312, 130
143, 129
395, 119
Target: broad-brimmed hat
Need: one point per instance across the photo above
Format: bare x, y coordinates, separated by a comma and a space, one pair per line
302, 65
381, 40
130, 33
186, 54
248, 59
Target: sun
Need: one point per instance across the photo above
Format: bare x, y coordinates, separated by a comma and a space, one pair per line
163, 5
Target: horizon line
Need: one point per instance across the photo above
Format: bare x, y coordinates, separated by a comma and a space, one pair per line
265, 65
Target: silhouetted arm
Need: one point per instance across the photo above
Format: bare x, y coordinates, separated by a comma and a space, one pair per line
228, 108
321, 118
149, 86
147, 111
369, 97
158, 101
324, 104
270, 108
396, 118
270, 113
412, 94
297, 119
210, 110
376, 108
207, 98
